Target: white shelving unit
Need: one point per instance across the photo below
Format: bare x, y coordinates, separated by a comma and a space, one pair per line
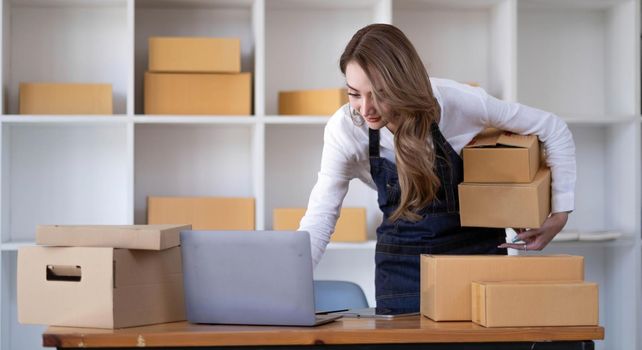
577, 58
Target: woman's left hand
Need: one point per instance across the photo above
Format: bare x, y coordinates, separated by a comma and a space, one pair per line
538, 238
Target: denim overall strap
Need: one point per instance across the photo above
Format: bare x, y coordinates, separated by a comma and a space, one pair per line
438, 231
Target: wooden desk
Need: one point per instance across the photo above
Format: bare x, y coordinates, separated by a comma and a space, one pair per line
377, 334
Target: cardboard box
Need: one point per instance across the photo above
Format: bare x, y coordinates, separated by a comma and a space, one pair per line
446, 279
203, 213
535, 304
312, 102
153, 237
58, 98
99, 287
501, 156
506, 204
195, 55
351, 225
194, 94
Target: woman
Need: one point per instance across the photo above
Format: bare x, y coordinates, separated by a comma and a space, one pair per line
402, 134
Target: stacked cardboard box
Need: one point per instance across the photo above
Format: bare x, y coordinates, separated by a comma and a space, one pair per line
507, 291
203, 213
196, 76
504, 185
101, 276
65, 98
312, 102
351, 225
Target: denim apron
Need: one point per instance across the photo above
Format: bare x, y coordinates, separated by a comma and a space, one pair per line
400, 243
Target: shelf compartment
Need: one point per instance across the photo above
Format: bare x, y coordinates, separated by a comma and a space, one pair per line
55, 51
62, 174
576, 56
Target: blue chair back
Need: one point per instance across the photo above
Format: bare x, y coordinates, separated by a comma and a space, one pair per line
337, 295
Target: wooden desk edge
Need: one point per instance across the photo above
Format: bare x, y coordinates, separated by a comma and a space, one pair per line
254, 336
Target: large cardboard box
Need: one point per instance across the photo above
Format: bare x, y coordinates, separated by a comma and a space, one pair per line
202, 55
535, 304
506, 204
501, 156
153, 237
312, 102
196, 93
351, 225
99, 287
65, 98
446, 279
203, 213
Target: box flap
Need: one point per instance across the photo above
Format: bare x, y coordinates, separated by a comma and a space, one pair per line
494, 137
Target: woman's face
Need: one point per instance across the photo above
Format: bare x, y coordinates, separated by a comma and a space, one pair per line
361, 98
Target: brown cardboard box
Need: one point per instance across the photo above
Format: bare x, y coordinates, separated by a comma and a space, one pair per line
195, 55
446, 279
351, 225
500, 156
203, 213
535, 304
99, 287
68, 98
506, 204
153, 237
312, 102
195, 93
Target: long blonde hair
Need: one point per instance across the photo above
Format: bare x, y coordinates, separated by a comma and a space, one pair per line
401, 82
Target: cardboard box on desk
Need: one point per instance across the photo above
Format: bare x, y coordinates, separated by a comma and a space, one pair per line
198, 93
203, 213
446, 279
351, 225
65, 98
312, 102
535, 304
194, 55
506, 204
153, 237
99, 287
500, 156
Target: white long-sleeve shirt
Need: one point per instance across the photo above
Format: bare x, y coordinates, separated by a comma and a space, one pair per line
465, 111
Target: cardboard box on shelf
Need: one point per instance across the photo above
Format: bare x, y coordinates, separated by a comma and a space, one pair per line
153, 237
198, 93
535, 304
65, 98
351, 225
203, 213
446, 279
99, 287
322, 102
502, 205
500, 156
194, 55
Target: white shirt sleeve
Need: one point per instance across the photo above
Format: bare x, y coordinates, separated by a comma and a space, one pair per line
555, 136
337, 169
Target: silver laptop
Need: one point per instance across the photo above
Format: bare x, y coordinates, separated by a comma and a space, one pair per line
249, 277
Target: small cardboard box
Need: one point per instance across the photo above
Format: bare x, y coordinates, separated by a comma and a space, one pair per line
446, 279
65, 98
195, 55
535, 304
196, 93
351, 225
203, 213
312, 102
153, 237
501, 156
506, 204
99, 287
